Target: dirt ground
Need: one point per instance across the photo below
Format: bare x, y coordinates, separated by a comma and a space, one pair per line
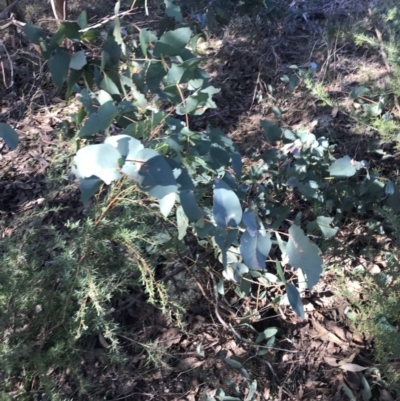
306, 362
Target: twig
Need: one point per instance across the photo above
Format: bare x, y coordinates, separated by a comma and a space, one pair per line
108, 19
11, 67
3, 14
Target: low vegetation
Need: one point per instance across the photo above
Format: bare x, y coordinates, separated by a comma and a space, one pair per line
157, 218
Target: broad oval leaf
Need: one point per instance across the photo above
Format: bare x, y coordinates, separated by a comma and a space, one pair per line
324, 225
181, 175
100, 160
304, 254
232, 362
226, 208
344, 167
172, 42
224, 238
167, 203
255, 249
152, 173
237, 165
9, 135
189, 205
250, 221
99, 121
266, 334
78, 60
272, 132
126, 145
295, 300
146, 37
59, 66
359, 91
235, 271
34, 33
89, 186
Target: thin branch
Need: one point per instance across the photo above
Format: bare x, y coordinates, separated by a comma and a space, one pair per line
11, 68
4, 13
108, 19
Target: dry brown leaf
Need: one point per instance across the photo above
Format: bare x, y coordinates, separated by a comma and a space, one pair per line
169, 337
352, 367
331, 361
188, 363
327, 335
348, 359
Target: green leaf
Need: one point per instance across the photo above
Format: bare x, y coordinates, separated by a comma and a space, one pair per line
393, 199
267, 333
71, 30
167, 203
78, 60
366, 393
324, 225
152, 173
100, 160
199, 102
235, 271
280, 271
358, 91
237, 165
126, 80
304, 254
89, 35
172, 10
255, 248
109, 85
117, 30
99, 121
182, 73
172, 43
143, 129
146, 37
272, 132
59, 66
181, 175
127, 146
154, 75
111, 51
252, 391
9, 135
204, 229
34, 33
189, 205
82, 20
103, 97
224, 238
232, 362
295, 300
65, 29
245, 286
182, 221
220, 156
250, 220
89, 186
344, 167
73, 78
226, 208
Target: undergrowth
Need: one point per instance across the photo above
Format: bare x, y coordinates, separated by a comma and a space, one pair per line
57, 285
